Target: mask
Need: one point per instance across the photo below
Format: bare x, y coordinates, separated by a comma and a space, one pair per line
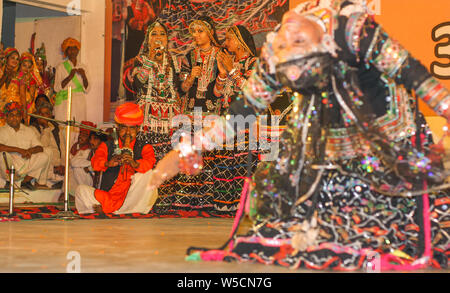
306, 72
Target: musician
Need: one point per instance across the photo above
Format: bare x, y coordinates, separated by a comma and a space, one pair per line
23, 149
52, 138
80, 171
123, 163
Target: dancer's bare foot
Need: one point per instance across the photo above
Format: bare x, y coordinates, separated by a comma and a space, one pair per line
98, 209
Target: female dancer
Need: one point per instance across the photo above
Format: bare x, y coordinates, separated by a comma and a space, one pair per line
357, 183
199, 71
156, 82
235, 64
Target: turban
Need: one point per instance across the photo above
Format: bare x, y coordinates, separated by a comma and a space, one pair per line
70, 42
129, 114
9, 51
87, 123
13, 106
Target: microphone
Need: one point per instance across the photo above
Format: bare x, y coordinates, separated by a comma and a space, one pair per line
160, 48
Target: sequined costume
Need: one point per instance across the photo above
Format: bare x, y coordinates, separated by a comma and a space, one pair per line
347, 189
230, 163
157, 86
199, 102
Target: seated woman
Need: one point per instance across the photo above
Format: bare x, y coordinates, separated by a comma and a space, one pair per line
357, 182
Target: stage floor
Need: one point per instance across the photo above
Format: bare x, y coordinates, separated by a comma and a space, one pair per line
117, 246
121, 246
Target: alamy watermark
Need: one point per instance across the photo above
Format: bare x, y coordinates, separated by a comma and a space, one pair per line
74, 8
74, 264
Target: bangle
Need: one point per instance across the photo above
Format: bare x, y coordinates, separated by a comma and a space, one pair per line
221, 79
232, 71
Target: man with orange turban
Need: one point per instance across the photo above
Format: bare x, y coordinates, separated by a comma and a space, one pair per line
71, 73
125, 165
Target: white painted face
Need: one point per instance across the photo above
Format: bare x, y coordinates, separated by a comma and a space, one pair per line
297, 37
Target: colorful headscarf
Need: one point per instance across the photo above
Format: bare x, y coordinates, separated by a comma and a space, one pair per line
207, 24
70, 42
144, 51
244, 37
26, 56
129, 114
9, 51
10, 107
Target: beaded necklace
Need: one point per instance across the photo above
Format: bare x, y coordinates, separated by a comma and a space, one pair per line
160, 96
207, 63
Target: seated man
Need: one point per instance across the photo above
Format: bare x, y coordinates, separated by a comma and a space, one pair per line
124, 164
52, 138
23, 150
95, 139
80, 172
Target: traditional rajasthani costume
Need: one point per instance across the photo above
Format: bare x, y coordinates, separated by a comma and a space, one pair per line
157, 86
123, 188
32, 84
230, 165
196, 192
356, 184
46, 88
9, 91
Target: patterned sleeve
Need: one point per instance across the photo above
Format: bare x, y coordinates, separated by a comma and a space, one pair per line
142, 69
371, 45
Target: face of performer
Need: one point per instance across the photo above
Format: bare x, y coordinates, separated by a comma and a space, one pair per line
94, 142
13, 119
158, 38
201, 37
231, 43
13, 60
83, 137
40, 63
40, 100
298, 36
26, 66
72, 52
45, 112
127, 132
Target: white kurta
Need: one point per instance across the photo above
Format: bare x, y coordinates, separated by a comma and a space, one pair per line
25, 138
77, 174
57, 156
79, 103
138, 200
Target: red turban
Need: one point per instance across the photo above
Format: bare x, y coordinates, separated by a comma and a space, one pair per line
12, 106
87, 123
129, 114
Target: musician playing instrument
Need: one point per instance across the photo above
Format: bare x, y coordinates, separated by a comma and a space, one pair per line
123, 162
